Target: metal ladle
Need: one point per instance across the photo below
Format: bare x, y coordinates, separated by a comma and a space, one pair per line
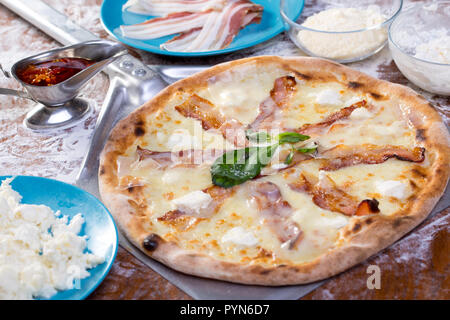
58, 104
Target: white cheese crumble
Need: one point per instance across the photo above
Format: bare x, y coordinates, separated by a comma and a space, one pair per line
240, 236
360, 114
193, 202
40, 251
391, 188
328, 97
170, 177
345, 45
181, 140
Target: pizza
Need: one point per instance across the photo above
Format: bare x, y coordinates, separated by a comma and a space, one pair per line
274, 171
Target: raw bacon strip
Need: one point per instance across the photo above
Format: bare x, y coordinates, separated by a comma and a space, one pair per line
219, 29
327, 195
165, 7
170, 24
283, 89
185, 158
179, 42
340, 115
203, 110
344, 156
276, 212
218, 195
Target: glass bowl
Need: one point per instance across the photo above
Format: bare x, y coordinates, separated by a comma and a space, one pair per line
409, 35
327, 38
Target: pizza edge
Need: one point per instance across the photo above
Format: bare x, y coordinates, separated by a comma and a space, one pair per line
365, 236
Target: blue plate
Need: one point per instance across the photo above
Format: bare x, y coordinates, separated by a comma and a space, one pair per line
99, 225
271, 24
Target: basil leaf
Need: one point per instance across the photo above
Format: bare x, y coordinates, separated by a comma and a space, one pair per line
289, 158
306, 150
291, 137
237, 166
257, 136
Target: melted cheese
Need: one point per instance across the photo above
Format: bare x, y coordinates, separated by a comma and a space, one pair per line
237, 232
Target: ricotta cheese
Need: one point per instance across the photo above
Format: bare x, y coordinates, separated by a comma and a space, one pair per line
240, 236
344, 45
360, 114
40, 251
182, 140
391, 188
329, 97
193, 202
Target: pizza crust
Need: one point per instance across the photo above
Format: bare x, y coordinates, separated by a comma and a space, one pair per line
363, 237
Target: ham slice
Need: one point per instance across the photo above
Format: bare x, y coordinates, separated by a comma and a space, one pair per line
276, 213
344, 156
184, 158
327, 195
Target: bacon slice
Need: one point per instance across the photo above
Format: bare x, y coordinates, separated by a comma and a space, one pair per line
203, 110
219, 196
179, 42
342, 114
344, 156
185, 158
282, 91
164, 26
327, 195
276, 213
220, 28
165, 7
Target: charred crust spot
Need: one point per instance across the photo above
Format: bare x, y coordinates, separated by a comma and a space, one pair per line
413, 184
102, 170
418, 173
369, 221
373, 204
139, 131
302, 75
376, 96
354, 85
140, 122
420, 134
356, 227
151, 242
264, 272
281, 266
397, 223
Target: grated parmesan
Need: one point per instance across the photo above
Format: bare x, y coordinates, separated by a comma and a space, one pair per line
343, 46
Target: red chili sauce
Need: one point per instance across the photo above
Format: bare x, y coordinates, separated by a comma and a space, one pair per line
48, 73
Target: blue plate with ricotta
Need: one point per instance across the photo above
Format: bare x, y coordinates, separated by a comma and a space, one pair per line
98, 227
112, 17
